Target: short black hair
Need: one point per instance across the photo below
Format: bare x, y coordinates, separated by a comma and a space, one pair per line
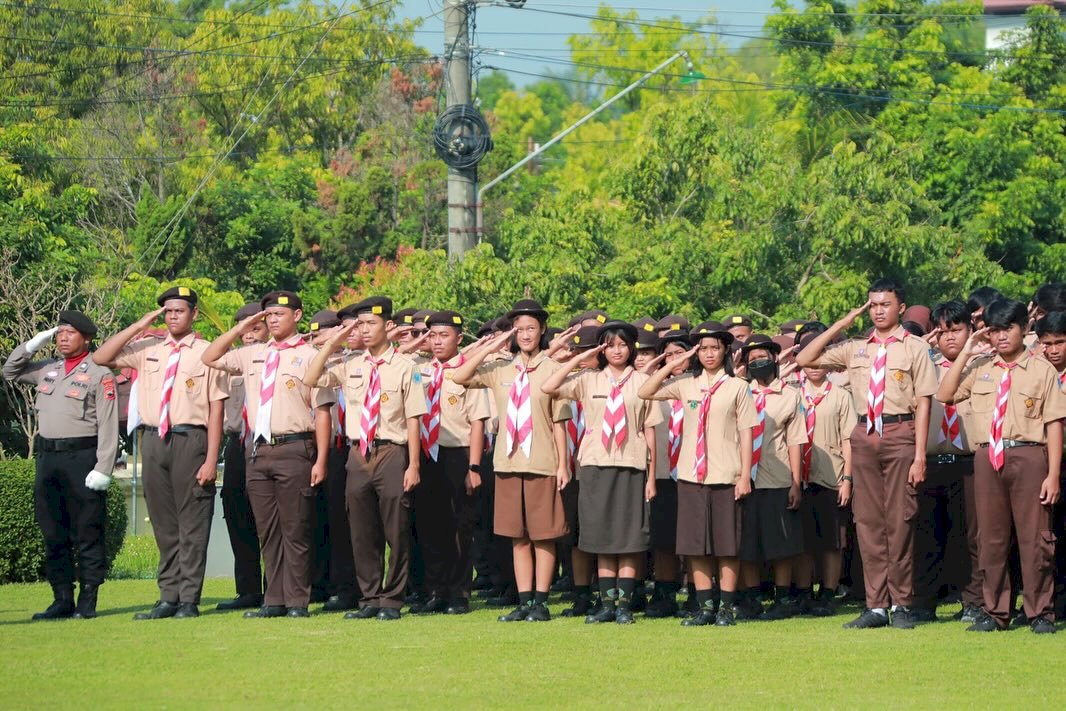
981, 297
1050, 297
627, 338
951, 313
815, 327
744, 358
890, 285
914, 328
1004, 313
1053, 322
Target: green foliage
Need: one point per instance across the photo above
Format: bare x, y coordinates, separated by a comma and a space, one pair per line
21, 545
138, 295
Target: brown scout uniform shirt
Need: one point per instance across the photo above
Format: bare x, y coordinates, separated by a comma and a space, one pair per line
458, 406
82, 404
936, 417
834, 420
783, 425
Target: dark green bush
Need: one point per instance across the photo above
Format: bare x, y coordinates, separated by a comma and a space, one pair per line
21, 545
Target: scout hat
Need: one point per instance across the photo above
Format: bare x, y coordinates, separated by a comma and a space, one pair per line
790, 327
527, 307
761, 340
784, 341
445, 318
404, 317
585, 338
323, 320
737, 320
281, 298
377, 305
249, 309
78, 321
673, 322
178, 292
645, 323
421, 315
920, 315
711, 329
618, 325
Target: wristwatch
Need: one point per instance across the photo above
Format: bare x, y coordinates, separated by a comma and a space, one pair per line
848, 478
476, 468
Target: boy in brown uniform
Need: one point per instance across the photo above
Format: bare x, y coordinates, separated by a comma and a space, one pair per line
892, 382
1018, 410
290, 425
180, 401
385, 389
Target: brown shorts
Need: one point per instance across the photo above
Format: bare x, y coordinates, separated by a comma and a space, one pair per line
528, 506
708, 520
825, 525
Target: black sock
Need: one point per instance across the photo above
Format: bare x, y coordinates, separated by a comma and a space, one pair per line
524, 598
672, 588
728, 598
716, 595
540, 598
627, 587
780, 592
582, 591
804, 594
703, 598
607, 589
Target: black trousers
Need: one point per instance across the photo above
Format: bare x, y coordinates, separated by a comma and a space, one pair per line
240, 522
445, 516
71, 517
339, 536
941, 557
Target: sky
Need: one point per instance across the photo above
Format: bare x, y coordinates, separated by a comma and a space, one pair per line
539, 30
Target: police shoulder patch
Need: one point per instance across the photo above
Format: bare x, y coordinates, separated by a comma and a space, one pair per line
108, 383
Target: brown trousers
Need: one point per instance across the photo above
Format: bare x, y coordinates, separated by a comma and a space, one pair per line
180, 510
283, 501
445, 516
885, 507
973, 592
1012, 496
379, 512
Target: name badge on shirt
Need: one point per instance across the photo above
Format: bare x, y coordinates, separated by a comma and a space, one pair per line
297, 362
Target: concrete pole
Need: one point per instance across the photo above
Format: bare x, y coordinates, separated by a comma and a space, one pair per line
462, 184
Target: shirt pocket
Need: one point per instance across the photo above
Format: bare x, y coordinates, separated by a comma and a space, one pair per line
193, 380
354, 386
78, 399
1032, 404
901, 380
983, 396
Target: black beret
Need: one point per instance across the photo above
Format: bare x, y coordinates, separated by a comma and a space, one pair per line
421, 315
645, 323
793, 325
403, 317
178, 292
445, 318
249, 309
615, 325
377, 305
281, 298
324, 319
78, 321
761, 340
584, 338
712, 329
527, 307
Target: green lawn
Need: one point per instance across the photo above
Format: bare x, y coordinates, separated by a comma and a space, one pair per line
221, 659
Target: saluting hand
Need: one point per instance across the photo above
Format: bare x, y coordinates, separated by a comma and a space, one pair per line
854, 314
246, 325
560, 340
413, 345
674, 361
972, 342
37, 342
339, 334
149, 318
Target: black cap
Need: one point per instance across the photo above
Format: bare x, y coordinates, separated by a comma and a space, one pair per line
324, 319
550, 332
527, 307
736, 320
673, 322
594, 315
645, 323
711, 328
586, 337
487, 328
647, 339
761, 340
249, 309
288, 299
445, 318
617, 325
421, 315
404, 317
377, 305
790, 327
78, 321
680, 336
178, 292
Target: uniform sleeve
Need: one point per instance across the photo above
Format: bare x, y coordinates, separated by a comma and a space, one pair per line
132, 354
20, 368
670, 390
323, 396
487, 375
969, 377
574, 388
217, 385
653, 414
745, 404
476, 406
414, 394
106, 424
796, 432
835, 357
232, 362
334, 374
924, 375
1054, 399
846, 416
561, 411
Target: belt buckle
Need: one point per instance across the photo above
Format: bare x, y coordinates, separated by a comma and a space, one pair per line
946, 459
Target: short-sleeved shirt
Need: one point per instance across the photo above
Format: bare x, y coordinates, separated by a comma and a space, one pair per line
835, 418
294, 404
662, 440
909, 371
234, 422
498, 376
591, 388
1034, 400
963, 409
402, 393
732, 409
195, 386
458, 406
783, 427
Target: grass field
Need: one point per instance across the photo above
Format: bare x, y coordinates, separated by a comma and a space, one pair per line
222, 660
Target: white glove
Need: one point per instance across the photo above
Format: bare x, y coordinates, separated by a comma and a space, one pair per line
37, 342
97, 481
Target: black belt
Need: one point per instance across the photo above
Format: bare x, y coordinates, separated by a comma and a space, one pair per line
374, 442
176, 429
948, 458
66, 444
890, 419
283, 439
1012, 443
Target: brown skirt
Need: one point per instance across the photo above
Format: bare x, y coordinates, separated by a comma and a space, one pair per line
824, 523
528, 506
708, 520
614, 516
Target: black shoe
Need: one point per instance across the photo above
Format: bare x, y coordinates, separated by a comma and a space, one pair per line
388, 614
563, 584
1020, 619
481, 582
431, 606
725, 617
159, 611
582, 607
867, 620
494, 591
516, 615
318, 596
781, 610
660, 608
339, 603
86, 608
817, 607
968, 613
903, 618
702, 618
363, 613
923, 615
747, 610
267, 611
62, 605
506, 599
984, 623
297, 612
248, 601
1042, 625
538, 613
187, 610
606, 614
624, 615
458, 608
415, 598
639, 602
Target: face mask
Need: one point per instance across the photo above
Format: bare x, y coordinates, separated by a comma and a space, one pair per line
762, 369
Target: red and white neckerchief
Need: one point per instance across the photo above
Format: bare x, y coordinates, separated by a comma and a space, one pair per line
810, 413
673, 441
875, 395
575, 432
266, 387
700, 468
614, 414
759, 430
371, 413
950, 430
169, 376
519, 413
999, 415
1062, 380
429, 424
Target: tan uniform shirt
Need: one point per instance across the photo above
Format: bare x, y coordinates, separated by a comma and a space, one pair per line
234, 421
292, 411
402, 393
835, 418
458, 406
81, 404
909, 372
1034, 398
936, 419
783, 426
591, 388
498, 377
662, 441
732, 409
195, 386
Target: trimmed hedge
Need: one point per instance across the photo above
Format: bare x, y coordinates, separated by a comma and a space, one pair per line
21, 544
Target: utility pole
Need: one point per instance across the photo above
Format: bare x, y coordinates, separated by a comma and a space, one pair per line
462, 183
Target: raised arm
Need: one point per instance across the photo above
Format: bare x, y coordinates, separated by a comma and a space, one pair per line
810, 355
221, 345
555, 381
949, 386
108, 351
318, 364
650, 389
465, 372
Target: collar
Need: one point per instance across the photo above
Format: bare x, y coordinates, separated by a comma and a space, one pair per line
625, 374
69, 364
453, 362
534, 362
775, 387
899, 334
1022, 362
385, 357
292, 341
186, 341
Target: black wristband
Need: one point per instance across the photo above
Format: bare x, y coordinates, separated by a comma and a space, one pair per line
476, 468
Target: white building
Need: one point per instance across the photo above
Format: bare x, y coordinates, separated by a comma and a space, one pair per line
1002, 16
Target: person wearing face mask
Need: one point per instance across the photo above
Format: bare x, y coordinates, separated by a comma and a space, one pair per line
75, 453
181, 411
612, 463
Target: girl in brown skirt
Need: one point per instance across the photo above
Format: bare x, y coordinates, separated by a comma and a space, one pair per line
530, 454
713, 466
612, 463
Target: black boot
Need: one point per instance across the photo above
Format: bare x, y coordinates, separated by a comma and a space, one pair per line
86, 609
62, 606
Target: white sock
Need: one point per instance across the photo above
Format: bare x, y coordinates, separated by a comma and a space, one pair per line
879, 611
